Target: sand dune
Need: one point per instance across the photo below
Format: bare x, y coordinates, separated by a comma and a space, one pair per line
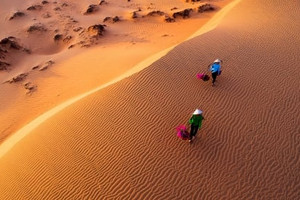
60, 32
16, 137
119, 142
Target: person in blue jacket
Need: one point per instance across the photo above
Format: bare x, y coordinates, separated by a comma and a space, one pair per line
215, 69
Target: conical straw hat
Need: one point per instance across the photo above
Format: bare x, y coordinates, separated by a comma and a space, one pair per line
217, 61
197, 112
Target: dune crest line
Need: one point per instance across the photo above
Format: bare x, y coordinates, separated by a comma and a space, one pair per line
21, 133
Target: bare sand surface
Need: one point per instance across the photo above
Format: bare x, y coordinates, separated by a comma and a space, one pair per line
76, 61
119, 142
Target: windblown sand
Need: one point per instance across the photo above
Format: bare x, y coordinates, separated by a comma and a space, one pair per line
120, 142
79, 61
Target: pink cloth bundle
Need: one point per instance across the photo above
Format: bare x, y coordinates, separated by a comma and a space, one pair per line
200, 75
182, 132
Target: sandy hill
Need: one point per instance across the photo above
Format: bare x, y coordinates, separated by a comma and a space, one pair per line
120, 143
51, 50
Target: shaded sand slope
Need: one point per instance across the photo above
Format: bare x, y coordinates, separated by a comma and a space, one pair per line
120, 143
36, 85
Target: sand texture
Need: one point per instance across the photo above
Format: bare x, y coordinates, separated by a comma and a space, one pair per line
120, 142
51, 51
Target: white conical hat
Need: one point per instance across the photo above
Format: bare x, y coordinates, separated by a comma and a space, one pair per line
217, 61
197, 112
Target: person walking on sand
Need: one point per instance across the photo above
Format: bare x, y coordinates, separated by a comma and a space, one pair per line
215, 69
196, 122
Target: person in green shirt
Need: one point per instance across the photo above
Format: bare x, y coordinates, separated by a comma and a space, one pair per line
196, 122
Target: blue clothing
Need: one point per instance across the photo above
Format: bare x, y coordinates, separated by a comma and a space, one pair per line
215, 68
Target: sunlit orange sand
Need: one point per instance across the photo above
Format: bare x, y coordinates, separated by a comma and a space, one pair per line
97, 121
62, 58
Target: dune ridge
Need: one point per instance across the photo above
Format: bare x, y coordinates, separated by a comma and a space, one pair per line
120, 142
12, 140
32, 87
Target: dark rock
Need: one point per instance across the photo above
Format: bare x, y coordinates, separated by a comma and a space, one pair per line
46, 65
43, 68
64, 5
57, 9
35, 67
156, 13
102, 2
107, 19
116, 19
17, 14
2, 53
84, 44
58, 37
30, 87
50, 62
205, 7
97, 30
18, 78
169, 19
36, 28
45, 2
67, 39
4, 65
92, 8
77, 29
175, 8
6, 40
184, 13
134, 15
35, 7
110, 19
10, 43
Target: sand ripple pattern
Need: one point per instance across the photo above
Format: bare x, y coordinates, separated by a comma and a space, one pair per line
120, 142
